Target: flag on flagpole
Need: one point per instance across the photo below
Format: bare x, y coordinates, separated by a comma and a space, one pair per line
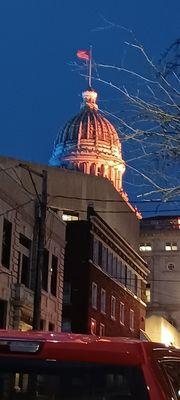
83, 54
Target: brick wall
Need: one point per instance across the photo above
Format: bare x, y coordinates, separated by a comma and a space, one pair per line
113, 327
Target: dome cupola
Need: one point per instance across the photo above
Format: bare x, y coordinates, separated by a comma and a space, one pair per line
90, 143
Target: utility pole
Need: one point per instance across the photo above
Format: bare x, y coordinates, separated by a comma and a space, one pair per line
40, 253
40, 228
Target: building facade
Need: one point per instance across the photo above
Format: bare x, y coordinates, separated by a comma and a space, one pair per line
104, 281
160, 247
17, 276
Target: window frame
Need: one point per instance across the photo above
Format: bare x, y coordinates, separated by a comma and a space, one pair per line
94, 291
103, 304
113, 307
122, 312
131, 320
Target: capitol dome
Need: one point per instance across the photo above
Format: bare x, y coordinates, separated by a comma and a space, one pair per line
90, 143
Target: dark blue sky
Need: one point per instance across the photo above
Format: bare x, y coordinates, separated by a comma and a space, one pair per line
39, 38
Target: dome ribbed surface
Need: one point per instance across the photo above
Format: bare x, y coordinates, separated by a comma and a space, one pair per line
88, 125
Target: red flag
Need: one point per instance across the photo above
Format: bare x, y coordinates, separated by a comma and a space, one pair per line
83, 54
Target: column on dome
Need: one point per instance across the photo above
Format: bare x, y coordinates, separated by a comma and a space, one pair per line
93, 169
100, 170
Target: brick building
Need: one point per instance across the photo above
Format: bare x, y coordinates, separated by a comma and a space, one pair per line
17, 278
104, 281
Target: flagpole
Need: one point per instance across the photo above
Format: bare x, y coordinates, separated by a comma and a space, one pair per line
90, 68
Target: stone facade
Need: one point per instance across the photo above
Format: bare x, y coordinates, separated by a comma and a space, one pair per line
16, 275
160, 247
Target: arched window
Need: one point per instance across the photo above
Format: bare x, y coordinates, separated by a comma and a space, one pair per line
101, 170
93, 169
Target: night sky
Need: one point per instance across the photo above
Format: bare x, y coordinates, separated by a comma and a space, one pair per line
39, 89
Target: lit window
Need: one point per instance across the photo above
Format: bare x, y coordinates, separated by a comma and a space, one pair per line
132, 320
148, 293
145, 247
70, 216
121, 313
94, 295
103, 301
102, 330
171, 246
93, 326
113, 307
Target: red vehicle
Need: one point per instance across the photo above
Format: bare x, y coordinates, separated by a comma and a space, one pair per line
54, 366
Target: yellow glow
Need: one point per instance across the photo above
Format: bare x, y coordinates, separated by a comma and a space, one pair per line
166, 336
121, 168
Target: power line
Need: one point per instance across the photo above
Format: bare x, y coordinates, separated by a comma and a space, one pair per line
114, 211
16, 208
112, 200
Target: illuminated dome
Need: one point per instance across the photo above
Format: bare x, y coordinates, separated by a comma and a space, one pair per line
90, 143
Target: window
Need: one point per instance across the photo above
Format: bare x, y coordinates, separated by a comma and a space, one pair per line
100, 254
171, 246
25, 241
24, 273
131, 325
51, 327
145, 247
148, 293
54, 264
6, 243
123, 274
67, 293
66, 325
25, 378
103, 301
104, 258
139, 288
129, 282
119, 269
95, 250
170, 267
93, 326
3, 314
70, 216
45, 270
121, 313
94, 295
114, 272
24, 264
113, 307
110, 263
172, 370
102, 330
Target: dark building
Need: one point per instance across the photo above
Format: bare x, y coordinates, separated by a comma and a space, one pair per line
104, 281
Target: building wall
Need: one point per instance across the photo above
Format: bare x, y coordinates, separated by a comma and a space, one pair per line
113, 326
72, 190
161, 331
164, 266
82, 271
16, 280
